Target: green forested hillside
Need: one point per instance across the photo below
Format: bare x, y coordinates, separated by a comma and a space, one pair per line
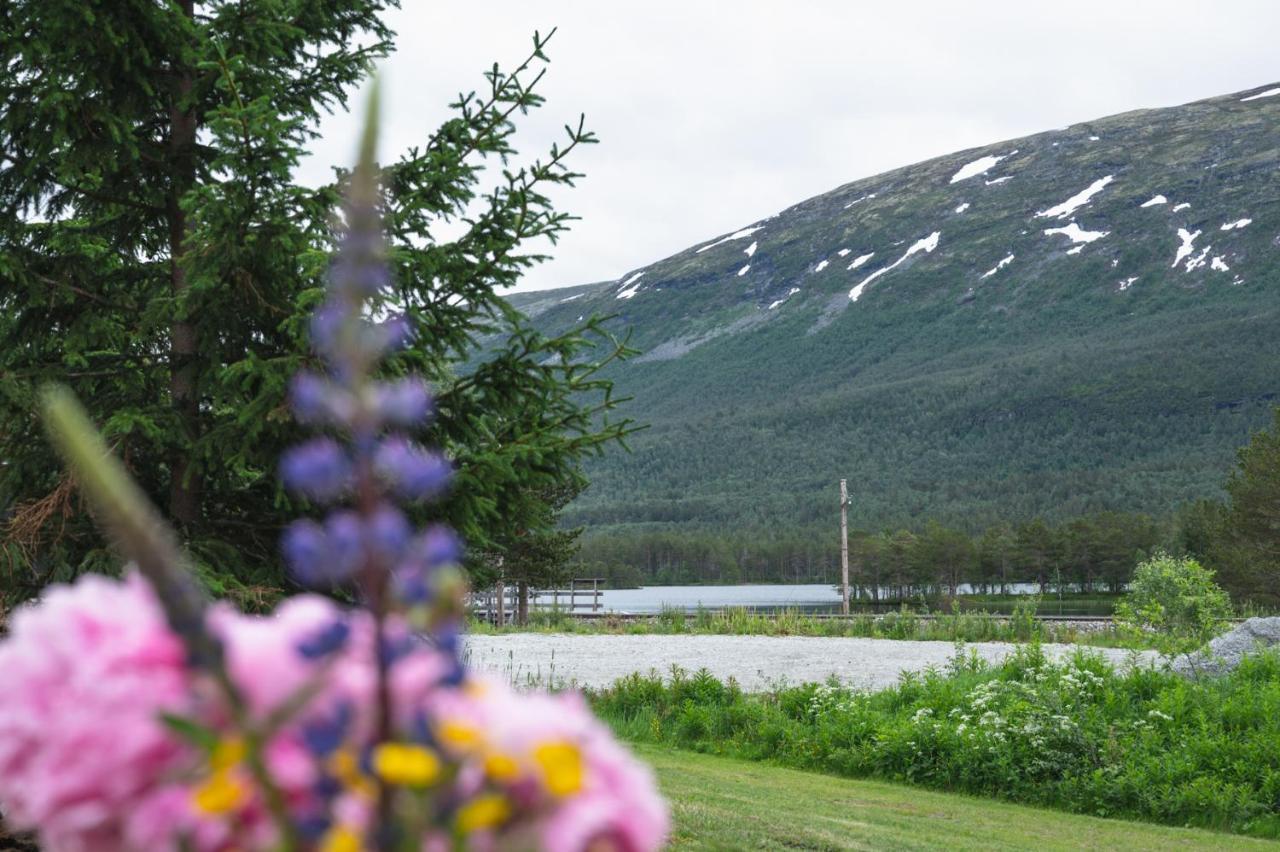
1092, 323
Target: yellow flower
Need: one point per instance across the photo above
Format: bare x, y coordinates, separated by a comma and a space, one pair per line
483, 812
343, 766
340, 839
501, 767
561, 764
406, 764
227, 753
459, 735
220, 793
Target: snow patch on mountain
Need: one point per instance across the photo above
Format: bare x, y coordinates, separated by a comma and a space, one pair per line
629, 287
1188, 240
822, 264
1081, 198
982, 165
866, 197
925, 244
962, 207
751, 249
790, 293
1159, 199
1199, 260
1269, 93
736, 235
998, 180
743, 270
1183, 206
1079, 236
861, 259
1239, 223
1001, 265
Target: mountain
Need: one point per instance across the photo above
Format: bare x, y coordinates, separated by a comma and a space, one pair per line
1085, 319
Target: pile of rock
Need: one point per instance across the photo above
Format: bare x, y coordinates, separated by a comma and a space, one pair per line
1224, 653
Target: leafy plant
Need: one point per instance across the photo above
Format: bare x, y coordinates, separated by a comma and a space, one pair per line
1175, 600
1074, 733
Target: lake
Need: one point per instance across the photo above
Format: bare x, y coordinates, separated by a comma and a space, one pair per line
818, 597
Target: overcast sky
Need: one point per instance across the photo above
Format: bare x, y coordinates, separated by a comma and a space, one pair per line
714, 114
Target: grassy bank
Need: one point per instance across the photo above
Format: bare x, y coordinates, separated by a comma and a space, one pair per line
1078, 736
1020, 626
722, 803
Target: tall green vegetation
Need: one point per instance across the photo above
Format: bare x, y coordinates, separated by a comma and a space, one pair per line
1095, 553
1076, 734
1240, 539
157, 256
1175, 601
537, 556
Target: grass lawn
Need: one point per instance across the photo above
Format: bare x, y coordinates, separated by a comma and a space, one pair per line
721, 803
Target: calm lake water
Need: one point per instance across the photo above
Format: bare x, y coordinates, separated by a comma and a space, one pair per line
811, 598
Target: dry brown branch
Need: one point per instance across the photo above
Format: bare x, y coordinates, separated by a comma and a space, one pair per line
25, 529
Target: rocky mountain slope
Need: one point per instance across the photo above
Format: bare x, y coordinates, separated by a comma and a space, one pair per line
1083, 319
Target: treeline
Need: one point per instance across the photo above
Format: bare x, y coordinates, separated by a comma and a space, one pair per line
1095, 553
1239, 539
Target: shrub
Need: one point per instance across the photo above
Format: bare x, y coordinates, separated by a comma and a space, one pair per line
1176, 600
1075, 734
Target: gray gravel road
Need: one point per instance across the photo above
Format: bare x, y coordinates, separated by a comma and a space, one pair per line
756, 661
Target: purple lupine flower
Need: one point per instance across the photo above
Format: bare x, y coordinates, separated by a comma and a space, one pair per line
346, 539
323, 736
434, 548
309, 398
320, 469
388, 532
352, 331
362, 275
306, 551
312, 827
393, 334
317, 401
325, 641
439, 546
373, 340
411, 470
411, 584
326, 329
447, 639
405, 402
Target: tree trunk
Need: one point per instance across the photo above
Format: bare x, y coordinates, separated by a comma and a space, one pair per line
522, 603
184, 479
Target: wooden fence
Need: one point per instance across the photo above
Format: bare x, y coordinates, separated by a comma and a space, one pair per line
498, 605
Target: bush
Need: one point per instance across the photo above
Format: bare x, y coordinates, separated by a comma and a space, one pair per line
1075, 734
1176, 600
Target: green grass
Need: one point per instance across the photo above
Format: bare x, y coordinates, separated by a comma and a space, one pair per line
722, 803
968, 626
1076, 735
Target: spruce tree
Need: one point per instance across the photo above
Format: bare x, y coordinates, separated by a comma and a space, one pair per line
157, 255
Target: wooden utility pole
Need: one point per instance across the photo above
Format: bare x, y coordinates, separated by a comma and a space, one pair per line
844, 547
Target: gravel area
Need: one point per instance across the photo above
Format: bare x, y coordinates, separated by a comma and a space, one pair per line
756, 661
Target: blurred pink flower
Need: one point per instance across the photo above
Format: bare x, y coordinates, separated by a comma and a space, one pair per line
87, 673
616, 799
86, 759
